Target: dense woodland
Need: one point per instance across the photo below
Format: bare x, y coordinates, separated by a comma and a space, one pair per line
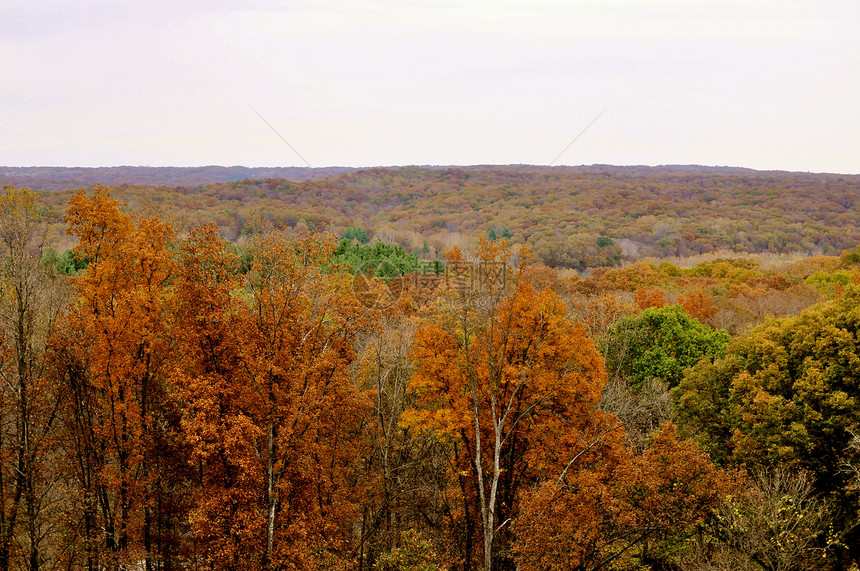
63, 178
323, 381
578, 218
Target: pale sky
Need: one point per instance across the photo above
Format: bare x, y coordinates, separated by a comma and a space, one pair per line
749, 83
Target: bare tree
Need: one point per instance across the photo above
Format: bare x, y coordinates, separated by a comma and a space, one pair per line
778, 524
642, 412
853, 466
33, 296
406, 469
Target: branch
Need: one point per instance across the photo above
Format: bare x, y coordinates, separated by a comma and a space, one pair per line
588, 448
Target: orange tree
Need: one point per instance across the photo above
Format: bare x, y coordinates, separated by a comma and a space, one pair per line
638, 507
512, 385
269, 411
111, 355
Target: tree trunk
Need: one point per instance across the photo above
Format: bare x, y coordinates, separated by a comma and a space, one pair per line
271, 494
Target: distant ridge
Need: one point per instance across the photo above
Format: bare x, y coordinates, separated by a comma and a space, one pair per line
641, 170
63, 178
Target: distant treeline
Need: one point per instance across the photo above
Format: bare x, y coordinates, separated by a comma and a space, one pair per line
63, 178
583, 217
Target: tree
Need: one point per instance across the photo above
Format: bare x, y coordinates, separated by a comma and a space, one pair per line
416, 554
660, 343
786, 395
514, 386
32, 300
596, 517
356, 233
404, 469
792, 395
642, 411
776, 522
269, 411
702, 409
380, 259
699, 306
646, 298
599, 313
111, 356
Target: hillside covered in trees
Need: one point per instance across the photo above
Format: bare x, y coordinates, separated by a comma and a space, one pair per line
62, 178
295, 399
582, 217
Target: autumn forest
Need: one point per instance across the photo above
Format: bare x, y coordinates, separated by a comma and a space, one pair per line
430, 369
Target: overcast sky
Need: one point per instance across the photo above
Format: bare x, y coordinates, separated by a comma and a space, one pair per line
751, 83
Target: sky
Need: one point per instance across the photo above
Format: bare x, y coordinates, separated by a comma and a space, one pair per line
763, 84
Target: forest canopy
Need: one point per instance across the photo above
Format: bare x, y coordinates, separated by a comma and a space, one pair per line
569, 217
176, 398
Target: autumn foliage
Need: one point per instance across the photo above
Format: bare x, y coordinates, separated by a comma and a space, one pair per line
647, 297
174, 400
515, 391
610, 513
112, 352
270, 414
241, 379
